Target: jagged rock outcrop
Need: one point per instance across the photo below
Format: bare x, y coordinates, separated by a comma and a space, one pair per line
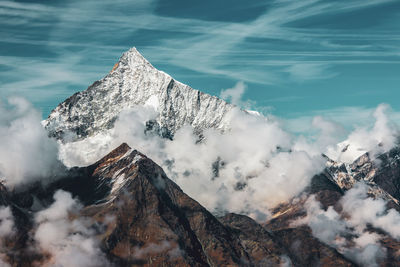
381, 174
260, 244
135, 82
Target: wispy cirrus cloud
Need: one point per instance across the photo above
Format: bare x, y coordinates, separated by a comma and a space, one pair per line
309, 71
63, 47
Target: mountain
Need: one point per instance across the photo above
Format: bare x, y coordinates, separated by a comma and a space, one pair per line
380, 173
142, 218
139, 217
131, 83
301, 238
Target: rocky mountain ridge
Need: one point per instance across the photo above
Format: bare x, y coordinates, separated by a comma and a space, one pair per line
380, 174
154, 223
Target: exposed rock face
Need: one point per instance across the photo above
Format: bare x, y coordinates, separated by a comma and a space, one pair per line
152, 211
134, 81
260, 245
13, 249
382, 174
4, 198
306, 250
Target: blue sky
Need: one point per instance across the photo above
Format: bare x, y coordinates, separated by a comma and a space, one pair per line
297, 58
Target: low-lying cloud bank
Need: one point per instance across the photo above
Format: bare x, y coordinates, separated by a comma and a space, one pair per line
381, 137
58, 233
69, 241
6, 222
248, 169
26, 152
350, 231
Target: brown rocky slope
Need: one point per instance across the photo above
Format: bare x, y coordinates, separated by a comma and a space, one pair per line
142, 218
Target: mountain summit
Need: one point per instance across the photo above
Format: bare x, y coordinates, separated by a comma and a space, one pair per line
132, 82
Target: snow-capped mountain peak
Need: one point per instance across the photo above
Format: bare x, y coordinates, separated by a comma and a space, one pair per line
133, 82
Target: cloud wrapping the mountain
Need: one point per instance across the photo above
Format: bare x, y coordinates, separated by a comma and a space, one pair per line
367, 251
326, 225
26, 152
327, 134
6, 222
71, 242
359, 211
330, 228
248, 169
381, 137
365, 210
234, 94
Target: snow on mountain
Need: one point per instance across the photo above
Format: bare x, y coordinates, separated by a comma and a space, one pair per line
380, 174
135, 82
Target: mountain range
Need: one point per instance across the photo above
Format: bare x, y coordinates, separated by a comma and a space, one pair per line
123, 209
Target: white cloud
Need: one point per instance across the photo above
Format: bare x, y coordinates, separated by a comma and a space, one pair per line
381, 137
348, 231
248, 169
352, 240
326, 225
367, 250
26, 152
326, 133
6, 222
69, 240
365, 210
234, 94
309, 71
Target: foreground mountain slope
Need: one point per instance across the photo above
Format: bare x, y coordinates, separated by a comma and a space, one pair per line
151, 210
135, 82
141, 218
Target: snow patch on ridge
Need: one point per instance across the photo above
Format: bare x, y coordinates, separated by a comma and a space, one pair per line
153, 102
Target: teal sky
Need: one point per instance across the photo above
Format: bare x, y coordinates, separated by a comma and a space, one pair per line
297, 58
